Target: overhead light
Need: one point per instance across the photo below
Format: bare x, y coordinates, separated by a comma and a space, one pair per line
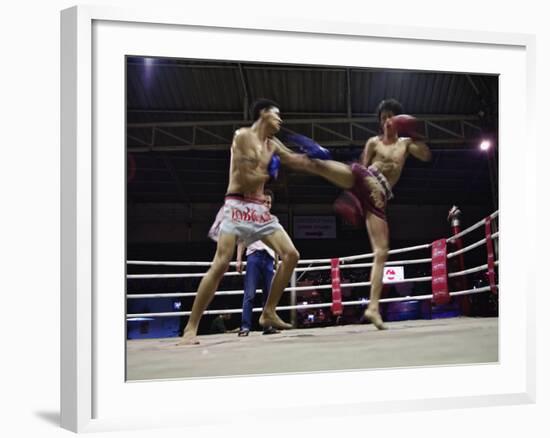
485, 145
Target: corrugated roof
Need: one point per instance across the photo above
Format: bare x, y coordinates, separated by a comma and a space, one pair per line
170, 104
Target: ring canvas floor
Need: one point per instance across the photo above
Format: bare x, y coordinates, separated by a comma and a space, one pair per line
450, 341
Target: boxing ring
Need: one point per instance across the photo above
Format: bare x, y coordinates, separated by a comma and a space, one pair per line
420, 342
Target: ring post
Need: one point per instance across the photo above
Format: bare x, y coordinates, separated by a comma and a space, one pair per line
459, 283
293, 299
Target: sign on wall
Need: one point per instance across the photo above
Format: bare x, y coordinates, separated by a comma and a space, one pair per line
314, 227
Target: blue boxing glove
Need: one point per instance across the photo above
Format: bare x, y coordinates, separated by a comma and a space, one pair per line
309, 147
273, 166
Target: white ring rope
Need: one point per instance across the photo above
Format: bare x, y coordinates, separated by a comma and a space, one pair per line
303, 288
169, 263
343, 260
315, 268
313, 306
470, 247
327, 267
471, 270
420, 297
365, 265
473, 227
364, 256
300, 262
185, 275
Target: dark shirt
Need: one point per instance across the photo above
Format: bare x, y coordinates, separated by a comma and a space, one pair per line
218, 325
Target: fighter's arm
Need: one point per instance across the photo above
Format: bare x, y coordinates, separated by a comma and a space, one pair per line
419, 149
289, 158
283, 151
240, 251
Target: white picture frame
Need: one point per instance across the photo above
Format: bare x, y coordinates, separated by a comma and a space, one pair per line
93, 397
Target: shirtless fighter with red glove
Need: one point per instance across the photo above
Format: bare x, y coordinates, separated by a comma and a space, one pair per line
368, 184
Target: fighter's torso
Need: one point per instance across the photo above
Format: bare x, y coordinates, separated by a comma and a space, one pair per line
253, 157
390, 158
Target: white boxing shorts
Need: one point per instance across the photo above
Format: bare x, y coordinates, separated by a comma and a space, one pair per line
247, 218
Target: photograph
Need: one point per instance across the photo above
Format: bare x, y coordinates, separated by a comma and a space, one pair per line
299, 218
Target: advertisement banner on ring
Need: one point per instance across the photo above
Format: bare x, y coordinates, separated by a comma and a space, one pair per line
393, 274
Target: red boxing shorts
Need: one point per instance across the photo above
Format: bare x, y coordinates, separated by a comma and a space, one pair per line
371, 188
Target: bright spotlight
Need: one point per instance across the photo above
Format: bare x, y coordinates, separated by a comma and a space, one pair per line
485, 145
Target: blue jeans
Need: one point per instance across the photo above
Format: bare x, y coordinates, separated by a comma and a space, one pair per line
259, 273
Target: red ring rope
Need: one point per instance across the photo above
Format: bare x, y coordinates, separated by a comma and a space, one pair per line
440, 287
490, 256
336, 307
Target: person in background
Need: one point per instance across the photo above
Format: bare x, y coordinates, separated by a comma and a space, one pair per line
261, 260
218, 324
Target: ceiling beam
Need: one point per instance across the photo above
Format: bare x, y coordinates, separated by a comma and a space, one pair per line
308, 120
246, 100
451, 129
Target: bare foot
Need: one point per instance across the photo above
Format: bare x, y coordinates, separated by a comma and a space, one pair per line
188, 339
274, 321
375, 318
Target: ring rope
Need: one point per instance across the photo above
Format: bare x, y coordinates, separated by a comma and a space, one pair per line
421, 297
319, 268
170, 263
313, 268
316, 268
308, 269
363, 256
303, 288
311, 306
342, 259
365, 265
473, 227
472, 246
184, 275
471, 270
300, 262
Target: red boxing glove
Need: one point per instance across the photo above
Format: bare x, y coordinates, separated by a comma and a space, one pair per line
405, 125
349, 208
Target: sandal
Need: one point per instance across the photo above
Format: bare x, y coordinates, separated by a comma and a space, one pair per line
243, 332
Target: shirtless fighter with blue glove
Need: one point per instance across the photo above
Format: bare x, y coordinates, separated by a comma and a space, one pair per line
244, 217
